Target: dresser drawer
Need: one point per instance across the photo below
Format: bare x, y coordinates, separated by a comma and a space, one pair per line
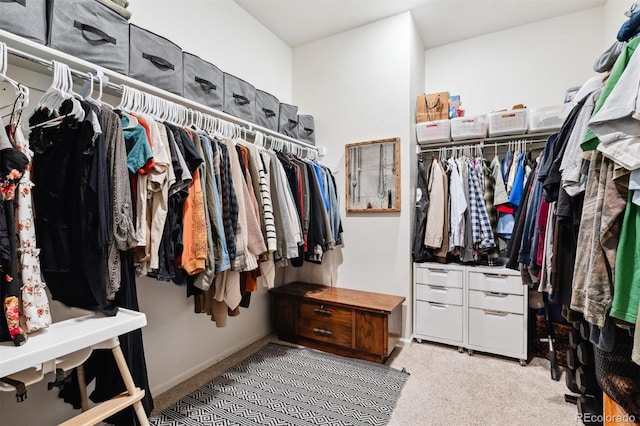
325, 323
497, 282
439, 320
496, 331
439, 276
325, 314
496, 301
326, 331
439, 294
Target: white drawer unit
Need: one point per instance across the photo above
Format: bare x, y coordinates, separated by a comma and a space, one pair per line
475, 308
439, 313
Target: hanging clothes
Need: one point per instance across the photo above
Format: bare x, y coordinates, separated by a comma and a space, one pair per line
437, 210
481, 227
418, 251
84, 212
65, 201
458, 206
13, 164
35, 302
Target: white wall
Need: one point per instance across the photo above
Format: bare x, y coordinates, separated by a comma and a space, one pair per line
613, 18
357, 85
222, 33
179, 343
531, 64
416, 88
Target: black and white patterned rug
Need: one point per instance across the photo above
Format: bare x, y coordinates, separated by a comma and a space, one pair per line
281, 385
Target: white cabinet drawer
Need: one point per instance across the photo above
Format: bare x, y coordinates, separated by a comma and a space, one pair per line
497, 282
440, 294
439, 276
496, 301
497, 331
439, 320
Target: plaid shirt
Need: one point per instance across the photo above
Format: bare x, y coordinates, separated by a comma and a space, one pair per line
229, 203
480, 225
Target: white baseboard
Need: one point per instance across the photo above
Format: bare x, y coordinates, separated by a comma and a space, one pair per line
163, 387
406, 341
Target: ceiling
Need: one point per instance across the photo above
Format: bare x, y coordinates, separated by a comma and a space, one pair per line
439, 22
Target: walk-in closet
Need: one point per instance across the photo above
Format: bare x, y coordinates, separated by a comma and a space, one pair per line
308, 212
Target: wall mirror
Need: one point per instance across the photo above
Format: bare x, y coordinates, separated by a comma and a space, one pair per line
373, 176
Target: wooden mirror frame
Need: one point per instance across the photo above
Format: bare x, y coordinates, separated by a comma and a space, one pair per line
372, 178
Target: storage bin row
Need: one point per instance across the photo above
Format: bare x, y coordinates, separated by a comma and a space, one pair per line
93, 32
501, 123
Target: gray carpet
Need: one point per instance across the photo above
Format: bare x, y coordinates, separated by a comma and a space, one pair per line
283, 385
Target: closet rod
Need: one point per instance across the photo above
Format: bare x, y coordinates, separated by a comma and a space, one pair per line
486, 143
118, 87
49, 64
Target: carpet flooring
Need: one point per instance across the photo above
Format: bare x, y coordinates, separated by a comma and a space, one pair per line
284, 385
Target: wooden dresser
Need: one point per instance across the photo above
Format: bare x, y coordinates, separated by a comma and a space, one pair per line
353, 323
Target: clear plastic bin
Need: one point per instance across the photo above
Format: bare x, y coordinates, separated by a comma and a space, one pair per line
474, 127
546, 118
512, 122
433, 131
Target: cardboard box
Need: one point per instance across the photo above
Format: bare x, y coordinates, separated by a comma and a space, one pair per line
432, 107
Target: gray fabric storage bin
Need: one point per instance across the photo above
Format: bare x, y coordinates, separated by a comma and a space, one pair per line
155, 60
203, 82
239, 98
306, 129
288, 120
91, 31
26, 18
267, 110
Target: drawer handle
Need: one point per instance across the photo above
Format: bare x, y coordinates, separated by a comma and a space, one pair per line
241, 100
158, 61
439, 305
322, 311
268, 113
502, 276
438, 271
103, 37
494, 294
322, 332
206, 84
438, 287
496, 313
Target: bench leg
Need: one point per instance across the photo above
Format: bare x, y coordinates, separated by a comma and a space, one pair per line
82, 384
129, 384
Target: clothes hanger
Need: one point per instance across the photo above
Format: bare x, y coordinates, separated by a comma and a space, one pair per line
88, 97
68, 78
3, 73
100, 78
61, 90
124, 98
21, 102
48, 99
127, 104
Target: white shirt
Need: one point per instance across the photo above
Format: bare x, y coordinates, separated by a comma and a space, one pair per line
458, 206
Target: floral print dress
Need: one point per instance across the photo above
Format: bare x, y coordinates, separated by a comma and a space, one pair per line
12, 166
35, 303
